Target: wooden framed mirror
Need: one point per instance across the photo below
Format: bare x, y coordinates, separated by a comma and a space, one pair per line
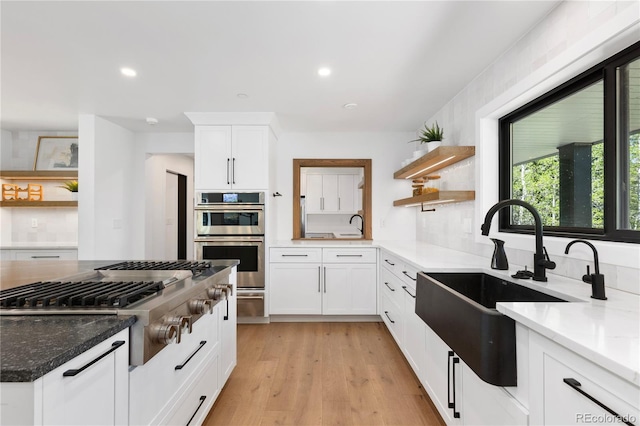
363, 193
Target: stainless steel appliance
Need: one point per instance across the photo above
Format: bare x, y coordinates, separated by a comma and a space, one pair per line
231, 225
167, 298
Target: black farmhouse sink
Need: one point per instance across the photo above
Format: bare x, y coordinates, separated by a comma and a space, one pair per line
460, 308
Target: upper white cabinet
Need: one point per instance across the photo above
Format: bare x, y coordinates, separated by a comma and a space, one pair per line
331, 193
231, 157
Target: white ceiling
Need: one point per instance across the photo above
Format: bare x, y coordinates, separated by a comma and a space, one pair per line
399, 61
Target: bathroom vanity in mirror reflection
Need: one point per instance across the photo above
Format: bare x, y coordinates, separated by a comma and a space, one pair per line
332, 199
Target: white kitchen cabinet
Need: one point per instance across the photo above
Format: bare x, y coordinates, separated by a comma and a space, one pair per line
331, 193
91, 393
323, 281
295, 288
415, 333
556, 375
231, 157
44, 254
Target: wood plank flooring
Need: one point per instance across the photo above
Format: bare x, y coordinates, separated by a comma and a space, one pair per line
321, 374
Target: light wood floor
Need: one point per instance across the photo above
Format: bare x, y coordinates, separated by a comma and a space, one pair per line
321, 374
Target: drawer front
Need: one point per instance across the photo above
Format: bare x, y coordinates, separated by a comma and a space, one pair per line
409, 275
565, 405
391, 262
391, 286
46, 254
349, 255
392, 316
295, 255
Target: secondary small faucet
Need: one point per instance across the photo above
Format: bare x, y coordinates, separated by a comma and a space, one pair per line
596, 280
361, 218
541, 261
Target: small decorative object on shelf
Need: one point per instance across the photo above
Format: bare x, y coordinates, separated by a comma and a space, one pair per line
72, 186
12, 192
56, 153
34, 192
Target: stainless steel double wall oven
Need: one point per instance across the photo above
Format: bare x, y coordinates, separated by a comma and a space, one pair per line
230, 225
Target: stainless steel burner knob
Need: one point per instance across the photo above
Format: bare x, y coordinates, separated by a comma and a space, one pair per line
215, 293
184, 322
200, 306
165, 333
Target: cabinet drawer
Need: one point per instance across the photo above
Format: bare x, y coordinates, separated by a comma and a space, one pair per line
348, 255
46, 254
409, 276
391, 286
295, 255
392, 316
565, 405
391, 262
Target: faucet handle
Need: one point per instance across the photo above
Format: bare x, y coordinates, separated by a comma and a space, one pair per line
546, 262
587, 278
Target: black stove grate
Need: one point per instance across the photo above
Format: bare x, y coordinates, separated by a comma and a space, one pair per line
84, 294
196, 268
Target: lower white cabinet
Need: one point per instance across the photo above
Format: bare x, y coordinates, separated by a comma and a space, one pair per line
344, 282
79, 392
228, 319
570, 390
39, 254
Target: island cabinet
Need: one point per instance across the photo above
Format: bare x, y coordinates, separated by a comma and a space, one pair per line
323, 281
92, 388
568, 389
231, 157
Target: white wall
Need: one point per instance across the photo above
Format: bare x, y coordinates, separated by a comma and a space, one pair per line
107, 170
572, 38
386, 150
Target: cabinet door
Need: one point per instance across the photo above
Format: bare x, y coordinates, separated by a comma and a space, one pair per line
346, 193
313, 198
250, 157
349, 289
213, 157
96, 395
330, 193
489, 405
439, 378
295, 288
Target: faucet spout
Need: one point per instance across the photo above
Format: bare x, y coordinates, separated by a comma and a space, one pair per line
541, 260
361, 218
596, 280
595, 252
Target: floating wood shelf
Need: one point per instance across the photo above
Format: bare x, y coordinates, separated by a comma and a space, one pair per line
38, 175
441, 197
54, 203
437, 159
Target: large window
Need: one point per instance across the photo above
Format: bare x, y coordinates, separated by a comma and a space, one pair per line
574, 154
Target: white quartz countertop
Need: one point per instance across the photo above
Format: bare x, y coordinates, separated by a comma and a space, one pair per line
606, 332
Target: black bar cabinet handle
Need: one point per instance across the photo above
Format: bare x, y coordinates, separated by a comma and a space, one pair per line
387, 314
45, 257
295, 255
233, 172
390, 288
405, 272
408, 292
181, 366
228, 180
348, 255
456, 414
392, 264
74, 372
202, 398
226, 317
575, 385
449, 402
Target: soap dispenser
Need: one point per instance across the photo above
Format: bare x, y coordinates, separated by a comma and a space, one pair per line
499, 259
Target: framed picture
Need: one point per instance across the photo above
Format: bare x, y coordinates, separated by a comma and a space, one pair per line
56, 153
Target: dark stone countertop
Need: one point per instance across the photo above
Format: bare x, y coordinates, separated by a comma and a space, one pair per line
33, 345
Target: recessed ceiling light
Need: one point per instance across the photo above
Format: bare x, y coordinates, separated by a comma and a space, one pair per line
242, 95
129, 72
324, 72
152, 121
350, 106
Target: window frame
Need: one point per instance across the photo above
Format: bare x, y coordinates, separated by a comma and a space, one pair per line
607, 72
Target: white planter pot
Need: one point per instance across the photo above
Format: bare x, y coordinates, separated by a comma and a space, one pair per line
433, 145
74, 196
420, 152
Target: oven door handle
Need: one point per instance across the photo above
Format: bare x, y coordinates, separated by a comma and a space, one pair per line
250, 297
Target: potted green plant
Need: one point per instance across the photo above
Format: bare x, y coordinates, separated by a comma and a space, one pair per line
71, 186
432, 136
